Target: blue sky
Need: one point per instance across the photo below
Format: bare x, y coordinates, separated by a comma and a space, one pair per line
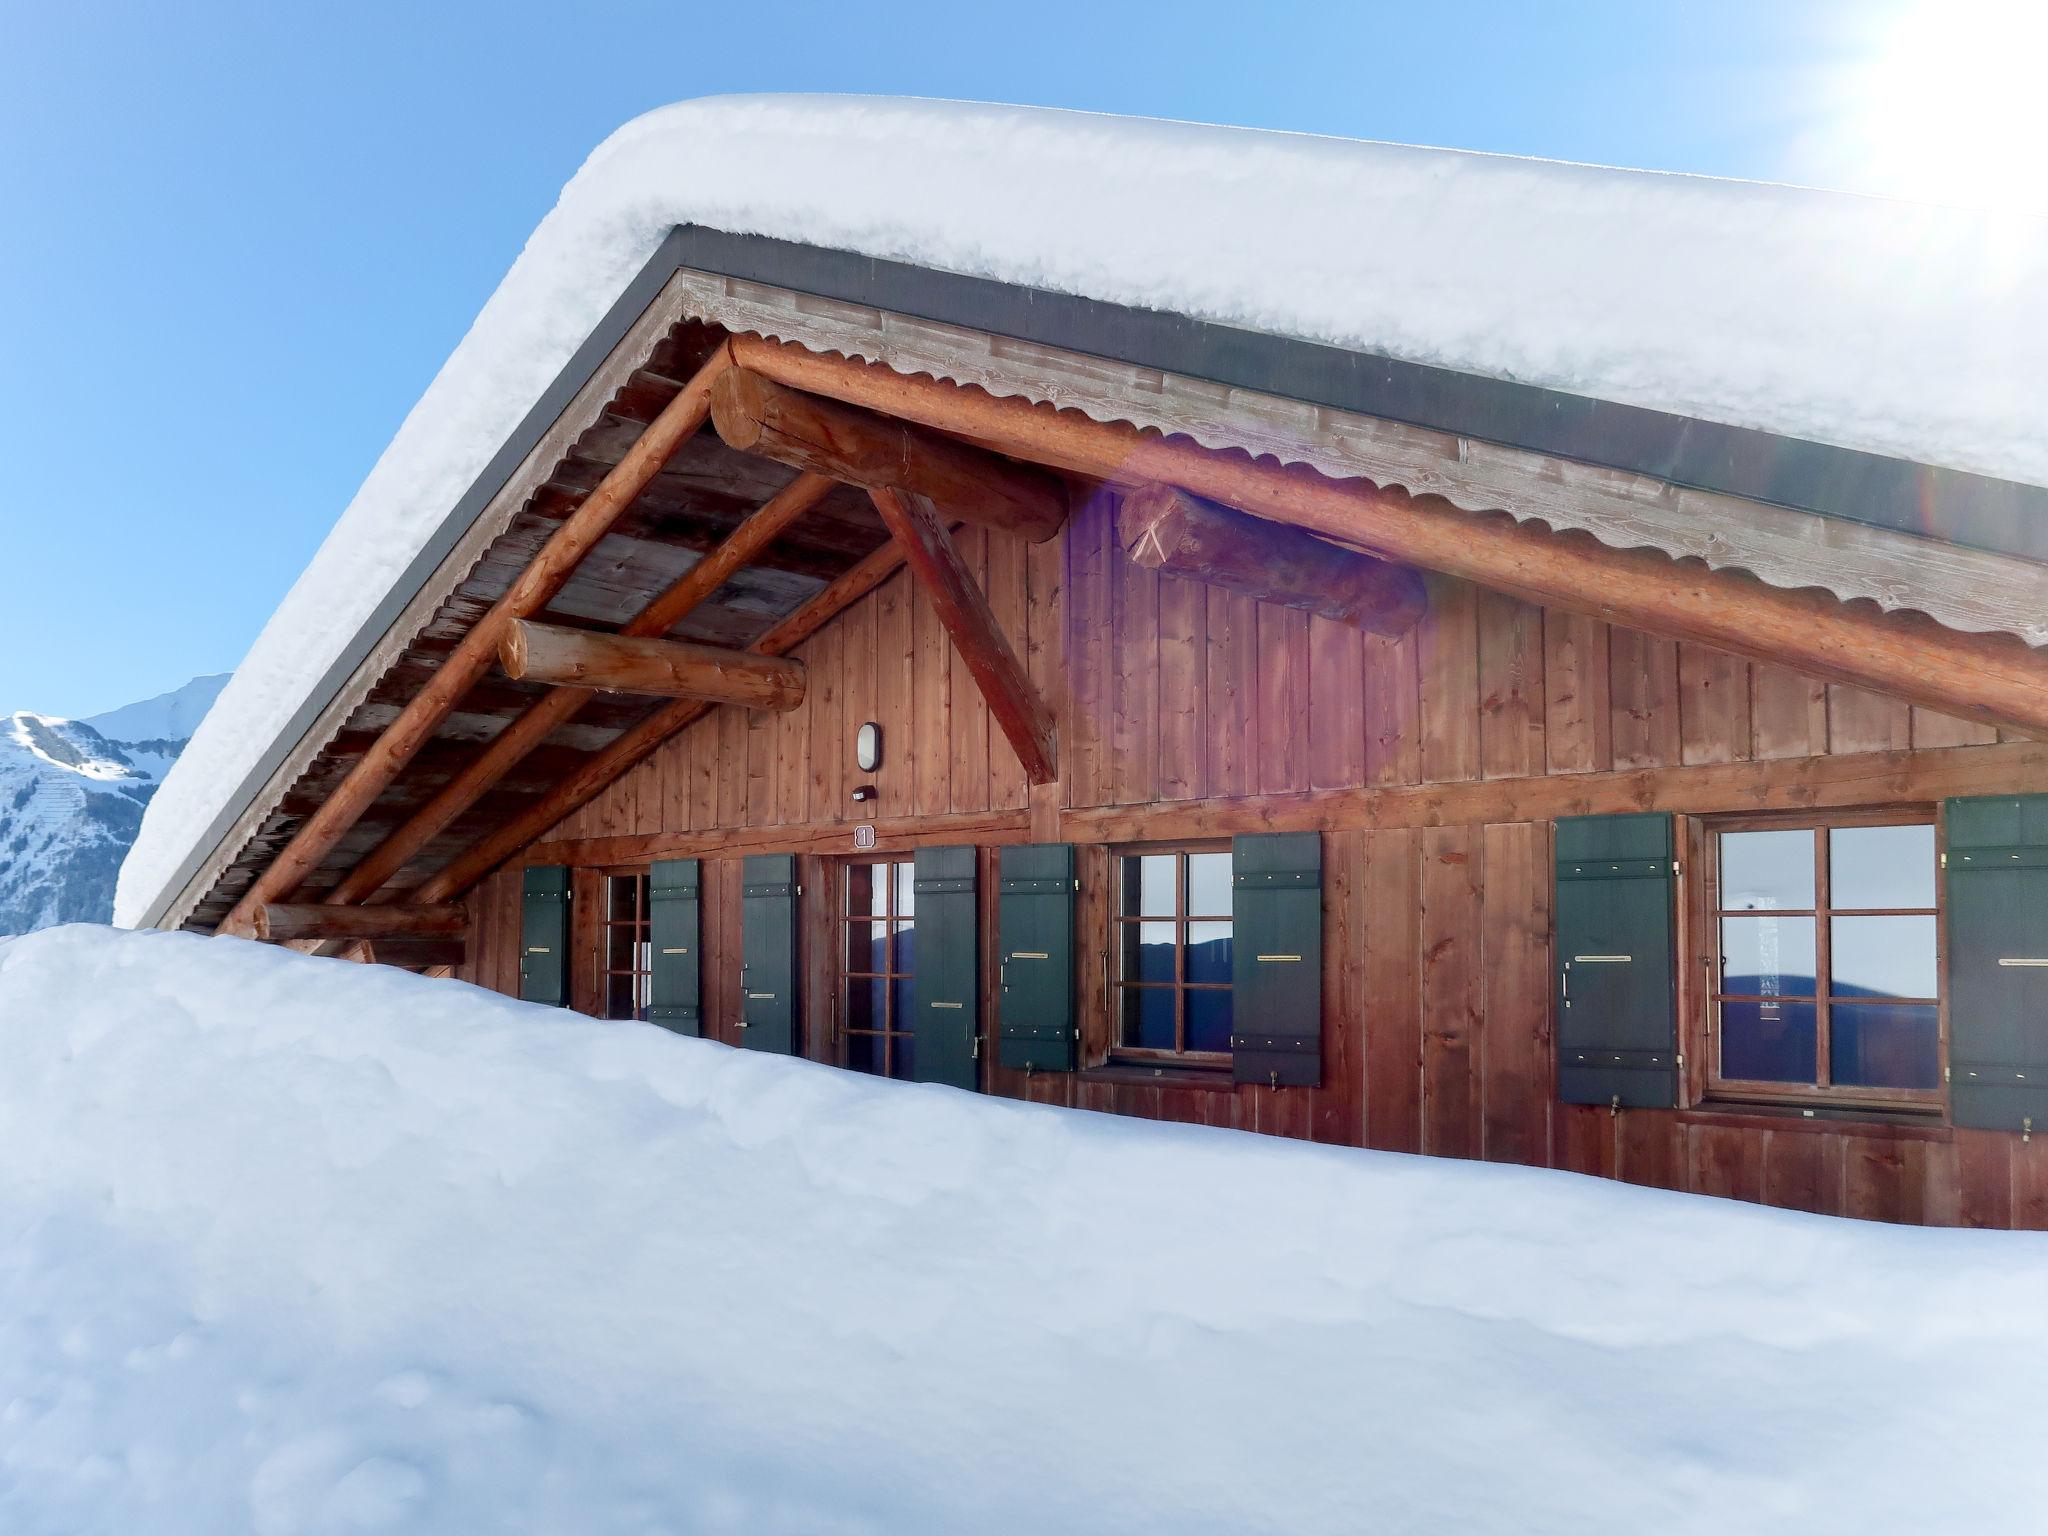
236, 240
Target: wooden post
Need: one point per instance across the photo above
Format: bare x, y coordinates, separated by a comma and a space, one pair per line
537, 585
278, 923
964, 610
668, 669
511, 746
757, 416
1993, 678
1164, 527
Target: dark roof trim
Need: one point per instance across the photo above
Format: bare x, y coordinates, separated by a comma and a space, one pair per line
1998, 515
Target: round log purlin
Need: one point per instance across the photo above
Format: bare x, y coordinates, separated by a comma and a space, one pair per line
280, 923
755, 415
664, 669
543, 578
1181, 534
1993, 678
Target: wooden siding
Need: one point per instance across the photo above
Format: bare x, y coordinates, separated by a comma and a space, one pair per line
1176, 703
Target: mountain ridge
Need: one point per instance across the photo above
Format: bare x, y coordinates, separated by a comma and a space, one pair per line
72, 794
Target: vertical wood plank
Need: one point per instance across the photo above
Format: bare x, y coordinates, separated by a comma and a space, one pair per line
1788, 712
1452, 875
1983, 1178
1390, 917
1134, 683
1515, 930
1337, 1108
1280, 741
931, 686
1511, 707
1085, 740
1713, 705
1393, 704
1336, 704
1862, 721
1578, 719
1231, 666
1447, 661
825, 702
1642, 673
968, 723
1727, 1161
1009, 600
895, 667
761, 765
1183, 691
1937, 730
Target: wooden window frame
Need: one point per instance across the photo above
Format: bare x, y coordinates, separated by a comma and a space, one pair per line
843, 921
1152, 1056
1702, 1014
642, 971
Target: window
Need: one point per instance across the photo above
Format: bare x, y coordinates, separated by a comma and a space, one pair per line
625, 946
1172, 940
1825, 976
880, 951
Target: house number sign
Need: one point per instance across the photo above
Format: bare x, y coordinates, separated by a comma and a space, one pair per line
864, 835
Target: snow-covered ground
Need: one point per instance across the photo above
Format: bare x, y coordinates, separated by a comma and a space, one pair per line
1906, 330
288, 1245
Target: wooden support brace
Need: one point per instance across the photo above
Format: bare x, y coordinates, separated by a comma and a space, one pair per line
537, 585
281, 923
755, 415
964, 610
511, 746
1992, 678
1178, 534
667, 669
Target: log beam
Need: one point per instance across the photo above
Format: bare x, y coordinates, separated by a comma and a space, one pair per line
635, 746
755, 415
1991, 678
511, 746
1178, 534
964, 610
281, 923
537, 585
665, 669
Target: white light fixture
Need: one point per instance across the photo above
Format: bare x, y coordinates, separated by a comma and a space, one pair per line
867, 747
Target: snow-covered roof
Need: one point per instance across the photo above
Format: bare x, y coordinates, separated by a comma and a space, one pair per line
1897, 329
330, 1247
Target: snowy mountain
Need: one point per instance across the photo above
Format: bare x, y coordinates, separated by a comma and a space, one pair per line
71, 799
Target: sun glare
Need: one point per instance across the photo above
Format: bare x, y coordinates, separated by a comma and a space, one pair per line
1948, 104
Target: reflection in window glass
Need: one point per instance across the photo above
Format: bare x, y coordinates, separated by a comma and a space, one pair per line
1886, 1045
1173, 947
1881, 867
1767, 871
1882, 957
881, 959
1767, 1042
1767, 956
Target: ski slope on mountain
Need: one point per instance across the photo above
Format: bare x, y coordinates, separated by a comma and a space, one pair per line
289, 1245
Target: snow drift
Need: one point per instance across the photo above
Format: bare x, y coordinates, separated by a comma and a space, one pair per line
288, 1245
1901, 329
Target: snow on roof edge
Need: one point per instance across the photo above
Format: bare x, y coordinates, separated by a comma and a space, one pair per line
1896, 328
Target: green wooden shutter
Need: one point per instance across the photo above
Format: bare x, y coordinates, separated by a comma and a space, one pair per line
673, 929
1035, 937
1997, 868
1617, 993
945, 988
544, 936
1276, 958
768, 953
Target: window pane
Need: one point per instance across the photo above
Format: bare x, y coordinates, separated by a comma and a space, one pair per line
1209, 885
619, 946
1885, 1045
864, 1004
621, 892
1880, 867
1208, 1021
864, 893
864, 1052
1149, 885
1882, 956
1148, 1017
906, 888
1148, 951
866, 946
1767, 956
1209, 952
1768, 1042
904, 959
1767, 871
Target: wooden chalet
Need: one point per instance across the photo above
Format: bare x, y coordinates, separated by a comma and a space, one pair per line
933, 677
